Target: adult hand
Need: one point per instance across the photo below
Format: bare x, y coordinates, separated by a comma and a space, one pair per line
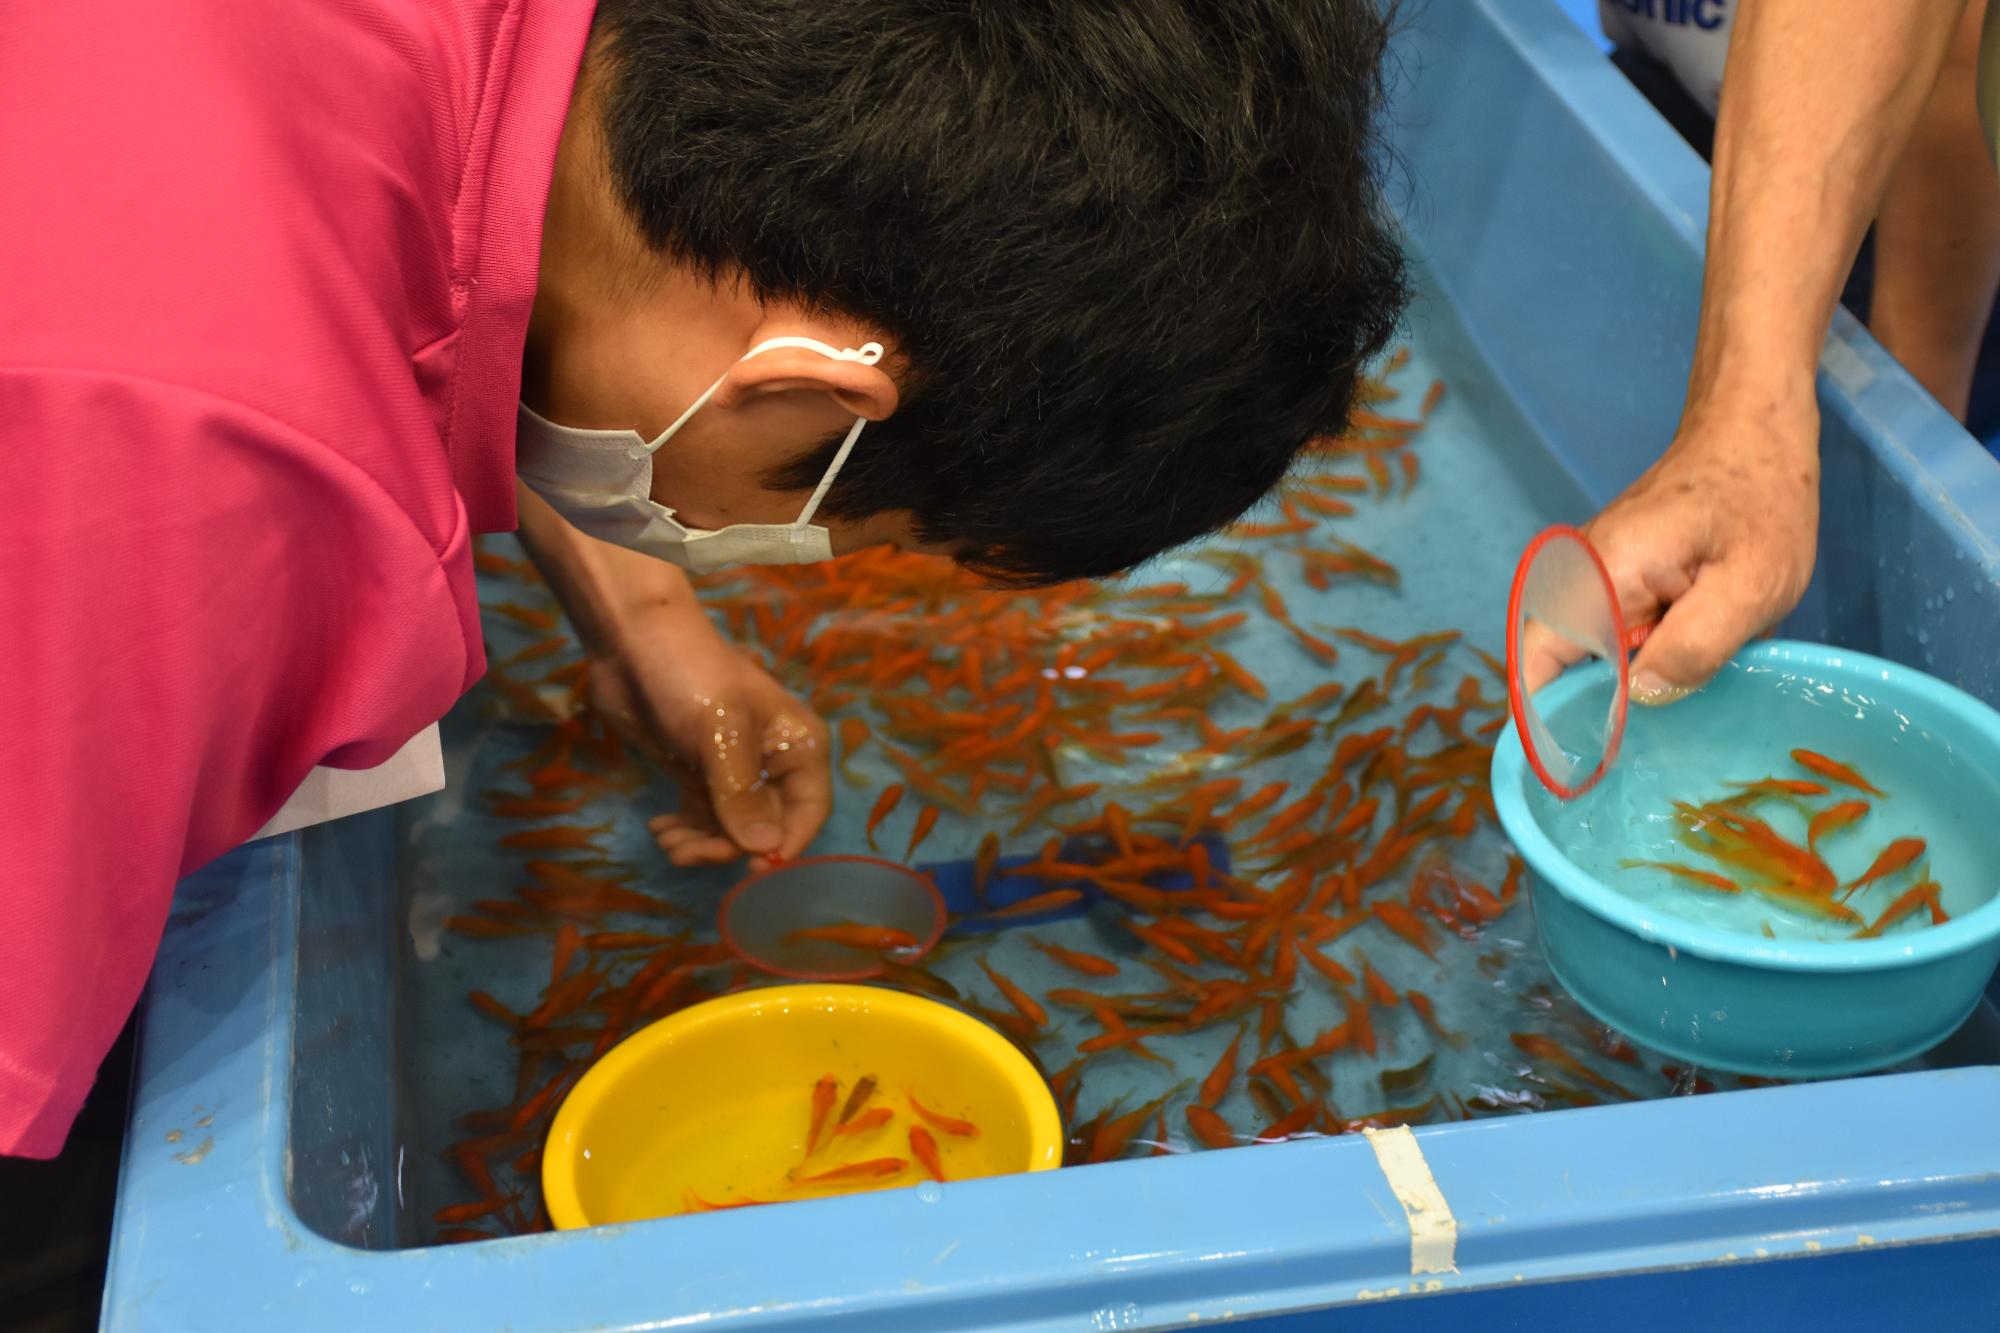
751, 758
1715, 542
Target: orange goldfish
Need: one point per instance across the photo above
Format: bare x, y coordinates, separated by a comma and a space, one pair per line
867, 1120
983, 865
1708, 879
1898, 855
1024, 1003
1216, 1086
864, 1088
1380, 991
1087, 963
1834, 818
1784, 787
1422, 1004
1835, 771
1403, 922
927, 819
883, 805
1539, 1047
469, 1212
963, 1129
924, 1148
867, 939
1041, 902
525, 615
875, 1168
556, 837
825, 1090
1210, 1128
1912, 898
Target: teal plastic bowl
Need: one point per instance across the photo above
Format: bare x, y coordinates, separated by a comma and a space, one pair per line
1729, 1001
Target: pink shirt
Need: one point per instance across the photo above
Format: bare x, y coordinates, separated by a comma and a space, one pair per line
265, 274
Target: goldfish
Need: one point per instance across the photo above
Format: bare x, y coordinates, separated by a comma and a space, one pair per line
486, 1004
460, 1235
536, 1106
924, 1148
1024, 1004
608, 941
875, 1168
1216, 1085
1912, 898
853, 735
695, 1203
1088, 964
568, 941
1233, 672
874, 1118
927, 819
1428, 1013
1290, 1124
824, 1092
471, 1212
1755, 846
983, 864
492, 562
864, 1088
1834, 771
530, 616
1708, 879
535, 651
1785, 787
1323, 965
556, 837
867, 939
1404, 922
1114, 1136
535, 807
883, 805
563, 997
1053, 900
1898, 855
1380, 991
1210, 1128
963, 1129
1538, 1047
1834, 818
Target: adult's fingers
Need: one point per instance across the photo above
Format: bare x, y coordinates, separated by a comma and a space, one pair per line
1545, 654
1720, 612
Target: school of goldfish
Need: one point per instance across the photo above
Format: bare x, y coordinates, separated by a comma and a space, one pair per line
1796, 875
1356, 813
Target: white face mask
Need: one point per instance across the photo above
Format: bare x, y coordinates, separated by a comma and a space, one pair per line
601, 481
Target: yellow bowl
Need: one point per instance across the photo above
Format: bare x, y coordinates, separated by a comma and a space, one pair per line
712, 1105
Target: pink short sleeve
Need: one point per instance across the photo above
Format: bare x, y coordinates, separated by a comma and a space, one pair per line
188, 623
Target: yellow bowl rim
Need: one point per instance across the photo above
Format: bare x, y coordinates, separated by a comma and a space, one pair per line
559, 1188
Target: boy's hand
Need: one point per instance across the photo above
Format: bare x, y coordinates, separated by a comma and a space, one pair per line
752, 758
1715, 543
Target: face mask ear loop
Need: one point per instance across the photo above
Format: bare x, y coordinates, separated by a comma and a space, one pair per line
867, 354
648, 450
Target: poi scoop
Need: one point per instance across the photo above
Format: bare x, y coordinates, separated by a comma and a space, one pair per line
1562, 584
832, 918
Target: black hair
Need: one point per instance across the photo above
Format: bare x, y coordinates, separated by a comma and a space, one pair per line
1133, 253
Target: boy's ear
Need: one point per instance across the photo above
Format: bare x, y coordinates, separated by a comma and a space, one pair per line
859, 390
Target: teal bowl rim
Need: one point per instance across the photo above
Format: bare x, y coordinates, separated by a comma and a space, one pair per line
1551, 866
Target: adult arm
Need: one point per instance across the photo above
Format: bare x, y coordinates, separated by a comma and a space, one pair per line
1716, 541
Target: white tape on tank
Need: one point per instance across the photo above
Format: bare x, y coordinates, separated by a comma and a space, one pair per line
1433, 1230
